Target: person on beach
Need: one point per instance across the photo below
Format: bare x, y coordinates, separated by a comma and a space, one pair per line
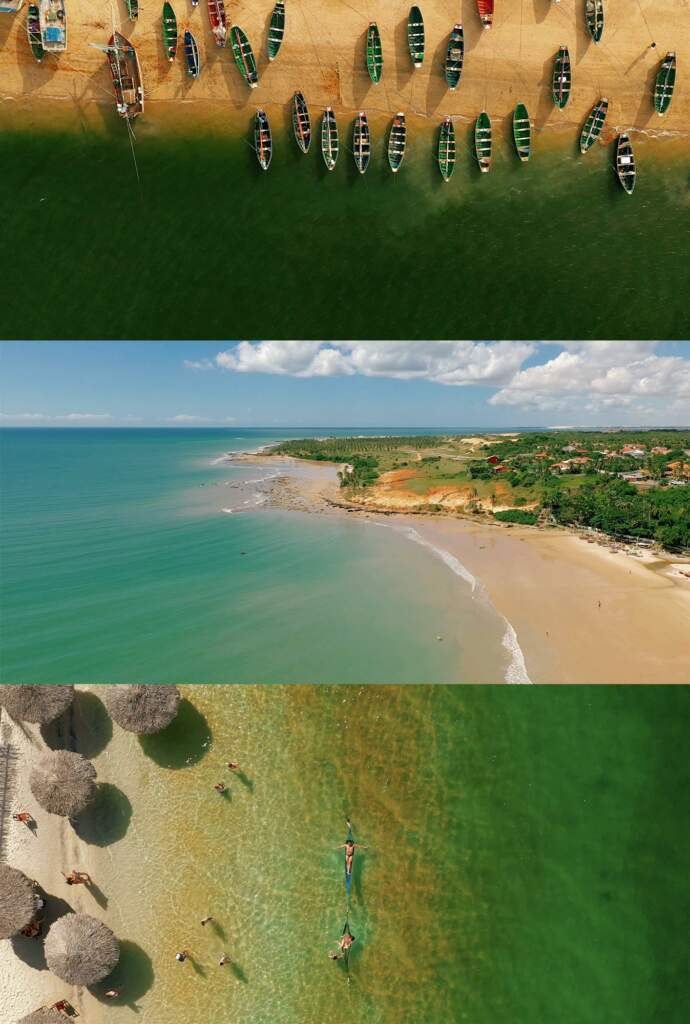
233, 766
225, 959
206, 920
24, 817
220, 787
77, 878
181, 956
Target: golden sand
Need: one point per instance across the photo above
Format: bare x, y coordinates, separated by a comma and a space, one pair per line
324, 56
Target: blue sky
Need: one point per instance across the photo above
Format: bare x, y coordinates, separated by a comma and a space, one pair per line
377, 384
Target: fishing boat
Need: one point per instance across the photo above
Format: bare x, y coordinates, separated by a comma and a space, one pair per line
361, 142
126, 73
415, 36
625, 163
191, 55
216, 15
594, 17
33, 32
455, 57
276, 30
446, 149
244, 56
132, 9
562, 78
374, 53
169, 31
593, 125
397, 140
330, 143
665, 84
301, 122
485, 9
522, 132
482, 141
53, 23
263, 142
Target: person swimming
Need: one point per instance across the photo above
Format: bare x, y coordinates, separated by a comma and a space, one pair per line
349, 846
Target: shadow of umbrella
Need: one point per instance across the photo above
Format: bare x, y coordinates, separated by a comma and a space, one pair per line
133, 977
184, 742
85, 727
106, 819
31, 951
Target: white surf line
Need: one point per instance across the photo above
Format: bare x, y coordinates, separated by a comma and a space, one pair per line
516, 673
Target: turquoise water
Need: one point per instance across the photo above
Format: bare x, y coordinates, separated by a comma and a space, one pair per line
526, 861
119, 563
210, 247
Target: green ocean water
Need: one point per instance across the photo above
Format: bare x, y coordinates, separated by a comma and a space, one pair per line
526, 861
142, 555
208, 246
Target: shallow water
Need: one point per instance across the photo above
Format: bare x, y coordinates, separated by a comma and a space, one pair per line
120, 563
210, 247
526, 861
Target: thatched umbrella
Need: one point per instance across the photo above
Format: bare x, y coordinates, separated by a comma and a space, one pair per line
143, 709
36, 703
17, 901
81, 950
45, 1015
63, 782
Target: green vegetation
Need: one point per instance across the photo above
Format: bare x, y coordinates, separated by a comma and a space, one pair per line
517, 515
631, 484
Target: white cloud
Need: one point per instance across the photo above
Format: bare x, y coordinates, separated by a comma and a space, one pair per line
199, 364
606, 375
184, 418
456, 363
69, 417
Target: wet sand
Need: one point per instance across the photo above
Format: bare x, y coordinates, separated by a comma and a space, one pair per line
323, 55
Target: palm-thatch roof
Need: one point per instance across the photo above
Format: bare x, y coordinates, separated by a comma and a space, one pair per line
17, 901
143, 709
46, 1015
36, 703
81, 950
63, 782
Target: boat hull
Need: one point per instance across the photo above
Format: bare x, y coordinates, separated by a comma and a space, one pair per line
416, 38
276, 31
374, 53
562, 78
169, 32
330, 142
361, 142
522, 132
665, 84
126, 75
397, 142
244, 56
593, 125
301, 122
263, 140
455, 57
626, 168
447, 149
483, 142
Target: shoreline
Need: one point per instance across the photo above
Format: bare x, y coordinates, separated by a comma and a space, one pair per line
556, 578
323, 55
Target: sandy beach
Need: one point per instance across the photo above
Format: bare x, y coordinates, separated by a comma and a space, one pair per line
324, 56
583, 613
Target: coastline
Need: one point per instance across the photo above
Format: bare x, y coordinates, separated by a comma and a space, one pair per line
552, 587
324, 55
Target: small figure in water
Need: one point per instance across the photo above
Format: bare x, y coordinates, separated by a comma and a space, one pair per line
182, 956
206, 920
233, 766
349, 847
77, 878
220, 787
343, 947
225, 959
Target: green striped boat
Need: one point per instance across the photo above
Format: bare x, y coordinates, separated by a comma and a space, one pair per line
361, 142
593, 125
446, 149
33, 31
276, 30
301, 122
374, 53
244, 56
594, 17
132, 9
397, 140
330, 143
415, 36
522, 132
482, 141
263, 140
169, 31
562, 78
455, 56
665, 84
625, 163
